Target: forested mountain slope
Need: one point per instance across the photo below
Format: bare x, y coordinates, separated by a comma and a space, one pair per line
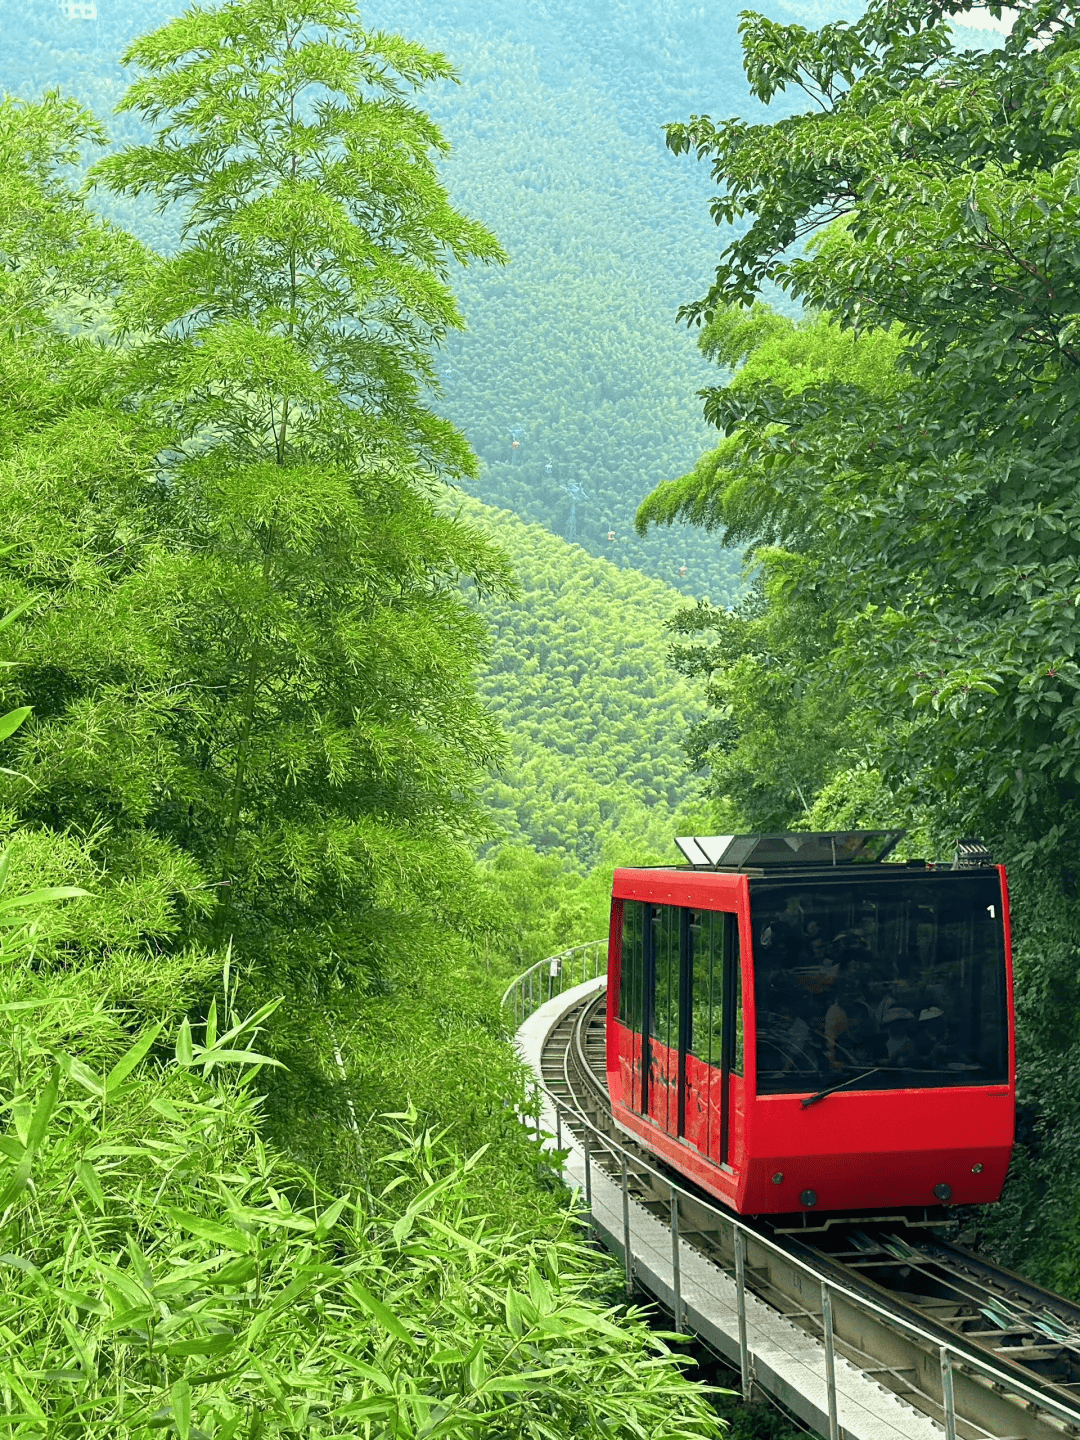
578, 676
573, 350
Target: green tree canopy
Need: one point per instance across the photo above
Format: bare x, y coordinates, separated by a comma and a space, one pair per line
944, 498
254, 667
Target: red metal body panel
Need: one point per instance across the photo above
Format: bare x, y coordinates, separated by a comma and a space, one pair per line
860, 1150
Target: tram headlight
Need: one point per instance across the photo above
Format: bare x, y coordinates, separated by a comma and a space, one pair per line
943, 1192
808, 1198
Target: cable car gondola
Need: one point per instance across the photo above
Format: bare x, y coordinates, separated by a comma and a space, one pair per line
803, 1027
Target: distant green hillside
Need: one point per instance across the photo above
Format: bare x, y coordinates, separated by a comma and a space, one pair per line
578, 677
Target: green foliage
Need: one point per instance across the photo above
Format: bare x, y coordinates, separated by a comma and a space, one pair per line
952, 191
780, 725
577, 677
166, 1270
255, 667
51, 250
557, 145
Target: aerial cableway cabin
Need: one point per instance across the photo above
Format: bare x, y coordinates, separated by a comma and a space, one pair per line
799, 1025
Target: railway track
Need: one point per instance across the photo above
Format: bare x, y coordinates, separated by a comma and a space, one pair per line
1013, 1349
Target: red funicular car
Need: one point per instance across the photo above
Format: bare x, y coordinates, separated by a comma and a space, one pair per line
799, 1026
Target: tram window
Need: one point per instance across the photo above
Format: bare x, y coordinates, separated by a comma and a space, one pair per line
895, 983
665, 1015
707, 1011
707, 931
632, 973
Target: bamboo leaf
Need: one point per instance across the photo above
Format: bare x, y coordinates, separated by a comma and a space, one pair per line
10, 722
526, 1380
330, 1216
13, 615
380, 1312
82, 1075
43, 1111
223, 1235
180, 1397
88, 1178
127, 1062
184, 1054
209, 1058
235, 1272
202, 1345
19, 1262
45, 896
17, 1183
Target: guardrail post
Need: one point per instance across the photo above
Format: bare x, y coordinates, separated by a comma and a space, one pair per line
740, 1286
558, 1126
627, 1256
588, 1169
676, 1280
830, 1360
948, 1401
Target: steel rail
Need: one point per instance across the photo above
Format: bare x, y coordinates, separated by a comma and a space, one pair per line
951, 1353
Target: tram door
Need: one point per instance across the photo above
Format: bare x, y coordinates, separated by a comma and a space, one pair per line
680, 999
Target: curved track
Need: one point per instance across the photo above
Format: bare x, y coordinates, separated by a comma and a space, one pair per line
1014, 1347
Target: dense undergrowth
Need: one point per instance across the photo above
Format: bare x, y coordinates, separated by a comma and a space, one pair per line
167, 1269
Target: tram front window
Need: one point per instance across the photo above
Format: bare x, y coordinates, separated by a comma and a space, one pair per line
891, 983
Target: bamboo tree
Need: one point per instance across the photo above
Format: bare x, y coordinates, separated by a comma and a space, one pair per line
290, 347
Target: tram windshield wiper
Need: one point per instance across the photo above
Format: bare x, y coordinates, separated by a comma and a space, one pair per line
813, 1099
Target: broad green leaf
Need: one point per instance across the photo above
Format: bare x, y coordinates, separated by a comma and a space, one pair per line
330, 1216
10, 722
380, 1312
12, 615
184, 1054
203, 1345
235, 1272
43, 1110
16, 1182
591, 1320
88, 1178
222, 1235
44, 896
209, 1058
127, 1062
19, 1262
371, 1405
180, 1398
81, 1074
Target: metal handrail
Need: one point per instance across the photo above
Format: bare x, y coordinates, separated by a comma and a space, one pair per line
948, 1353
551, 976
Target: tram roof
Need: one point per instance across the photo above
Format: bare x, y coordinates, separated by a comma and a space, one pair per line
801, 849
